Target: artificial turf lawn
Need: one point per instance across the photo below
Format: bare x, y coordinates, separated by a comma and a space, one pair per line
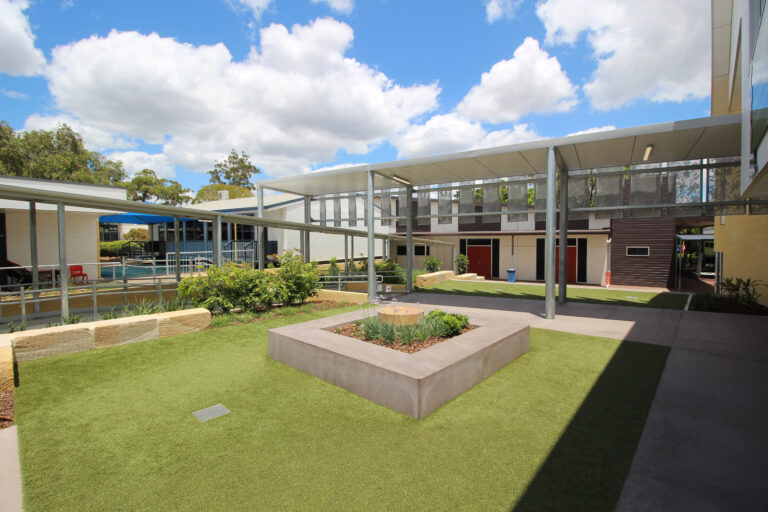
113, 429
611, 297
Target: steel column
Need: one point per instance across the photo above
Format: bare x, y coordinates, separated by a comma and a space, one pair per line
307, 220
346, 255
549, 245
33, 252
563, 281
371, 242
177, 246
63, 270
262, 239
217, 255
409, 238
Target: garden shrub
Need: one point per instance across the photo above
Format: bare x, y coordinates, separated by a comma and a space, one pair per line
462, 263
433, 264
110, 248
333, 267
232, 286
739, 296
449, 324
392, 273
299, 280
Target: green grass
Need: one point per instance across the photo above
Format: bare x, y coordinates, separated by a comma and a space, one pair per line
608, 296
113, 430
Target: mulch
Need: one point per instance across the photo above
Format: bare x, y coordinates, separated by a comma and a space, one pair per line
6, 409
351, 330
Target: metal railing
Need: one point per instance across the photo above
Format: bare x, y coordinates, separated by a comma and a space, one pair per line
27, 294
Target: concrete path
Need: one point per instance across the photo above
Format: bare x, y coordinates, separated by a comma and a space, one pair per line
10, 471
704, 446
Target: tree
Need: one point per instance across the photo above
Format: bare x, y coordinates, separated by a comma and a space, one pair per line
211, 192
57, 154
147, 187
137, 234
235, 170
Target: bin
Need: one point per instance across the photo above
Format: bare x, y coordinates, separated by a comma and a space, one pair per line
510, 275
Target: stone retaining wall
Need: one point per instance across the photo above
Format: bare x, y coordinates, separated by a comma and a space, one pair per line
65, 339
434, 278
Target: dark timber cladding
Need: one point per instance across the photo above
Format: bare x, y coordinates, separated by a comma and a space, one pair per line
655, 269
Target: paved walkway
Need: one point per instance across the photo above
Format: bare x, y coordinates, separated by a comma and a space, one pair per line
704, 446
10, 471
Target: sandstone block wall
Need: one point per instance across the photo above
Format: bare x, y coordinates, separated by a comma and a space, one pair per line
65, 339
434, 278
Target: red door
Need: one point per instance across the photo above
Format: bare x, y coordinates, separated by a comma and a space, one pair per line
479, 260
571, 264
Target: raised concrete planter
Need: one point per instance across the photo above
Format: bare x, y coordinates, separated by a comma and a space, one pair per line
413, 384
65, 339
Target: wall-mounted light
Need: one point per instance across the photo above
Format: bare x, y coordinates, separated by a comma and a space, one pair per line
401, 180
648, 151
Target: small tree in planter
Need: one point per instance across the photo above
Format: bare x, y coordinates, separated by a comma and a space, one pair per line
462, 263
433, 264
300, 280
333, 267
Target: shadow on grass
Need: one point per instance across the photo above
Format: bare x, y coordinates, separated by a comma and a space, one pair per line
587, 467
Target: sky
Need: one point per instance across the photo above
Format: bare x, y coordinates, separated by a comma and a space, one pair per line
302, 85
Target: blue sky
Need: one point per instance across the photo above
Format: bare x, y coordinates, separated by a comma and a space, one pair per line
307, 84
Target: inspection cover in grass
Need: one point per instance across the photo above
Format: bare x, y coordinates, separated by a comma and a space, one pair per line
211, 412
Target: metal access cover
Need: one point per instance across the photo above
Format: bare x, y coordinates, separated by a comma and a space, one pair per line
211, 412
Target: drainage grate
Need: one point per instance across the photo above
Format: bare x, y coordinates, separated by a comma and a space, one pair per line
211, 412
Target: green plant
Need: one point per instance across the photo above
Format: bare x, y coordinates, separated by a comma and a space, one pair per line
388, 333
72, 319
433, 264
462, 263
143, 308
407, 333
333, 267
173, 304
111, 314
370, 327
449, 324
299, 280
11, 327
742, 290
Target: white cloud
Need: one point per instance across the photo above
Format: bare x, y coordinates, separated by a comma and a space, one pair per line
293, 101
94, 138
342, 6
256, 7
497, 9
136, 161
594, 130
531, 81
16, 95
451, 133
655, 50
18, 55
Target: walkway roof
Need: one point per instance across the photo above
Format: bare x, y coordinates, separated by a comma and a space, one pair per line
708, 137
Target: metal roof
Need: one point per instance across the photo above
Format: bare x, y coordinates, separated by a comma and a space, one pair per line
696, 237
708, 137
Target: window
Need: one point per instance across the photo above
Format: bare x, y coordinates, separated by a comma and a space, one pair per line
402, 250
638, 251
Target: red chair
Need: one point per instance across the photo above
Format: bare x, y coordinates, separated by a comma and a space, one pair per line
76, 271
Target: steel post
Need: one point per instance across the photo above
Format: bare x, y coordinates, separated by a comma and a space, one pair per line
409, 238
563, 271
63, 278
33, 254
371, 242
177, 246
549, 245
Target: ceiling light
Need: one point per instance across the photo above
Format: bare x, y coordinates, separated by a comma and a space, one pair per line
648, 151
401, 180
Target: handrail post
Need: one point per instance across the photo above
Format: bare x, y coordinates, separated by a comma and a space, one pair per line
125, 285
159, 291
154, 268
23, 306
95, 302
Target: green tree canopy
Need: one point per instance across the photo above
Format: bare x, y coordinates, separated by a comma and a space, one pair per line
211, 192
235, 170
148, 187
57, 154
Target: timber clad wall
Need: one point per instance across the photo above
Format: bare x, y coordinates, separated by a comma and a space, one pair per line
653, 270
